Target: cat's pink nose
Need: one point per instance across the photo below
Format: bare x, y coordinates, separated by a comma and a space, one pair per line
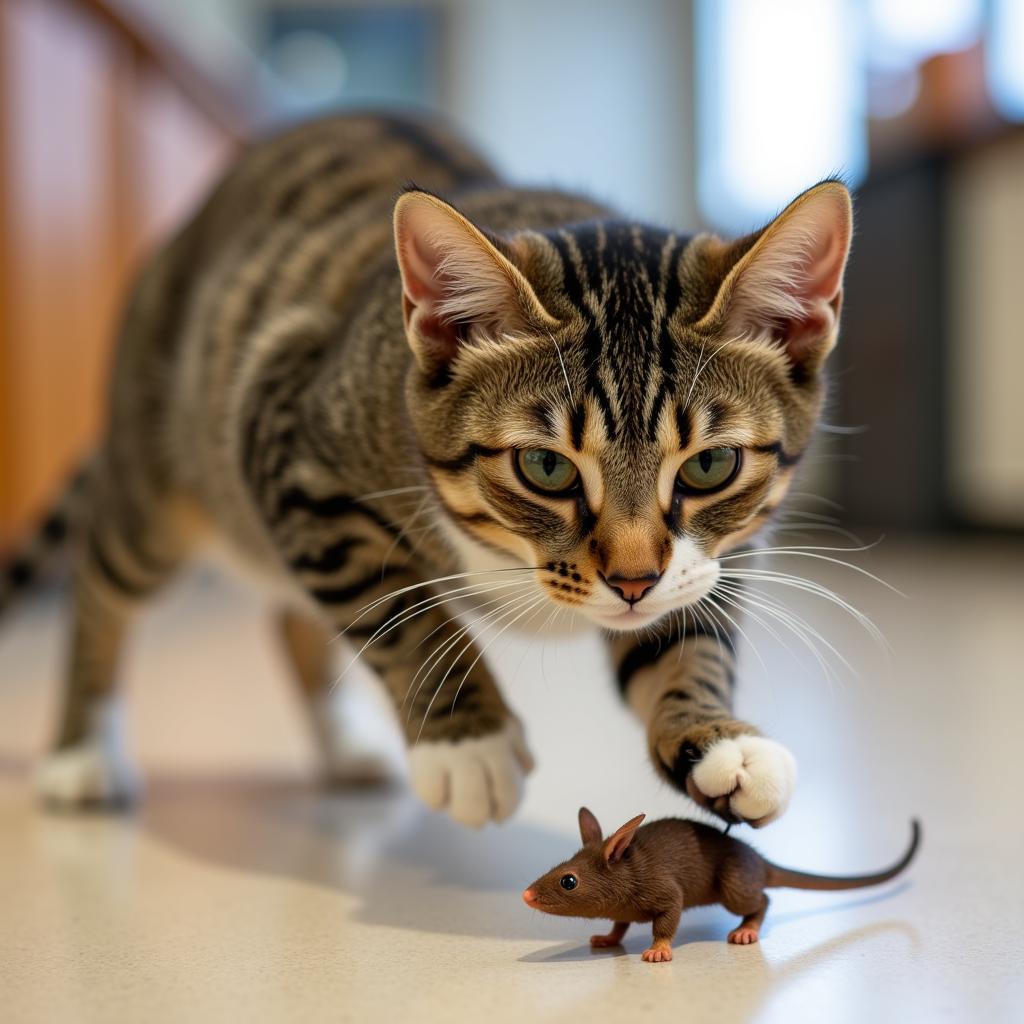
632, 590
529, 897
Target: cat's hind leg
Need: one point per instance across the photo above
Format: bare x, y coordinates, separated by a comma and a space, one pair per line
347, 759
124, 550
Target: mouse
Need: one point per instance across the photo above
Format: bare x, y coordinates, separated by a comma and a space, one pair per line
651, 873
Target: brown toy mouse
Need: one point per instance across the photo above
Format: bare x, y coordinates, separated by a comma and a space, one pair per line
654, 872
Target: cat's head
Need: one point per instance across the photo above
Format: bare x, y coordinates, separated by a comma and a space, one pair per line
612, 404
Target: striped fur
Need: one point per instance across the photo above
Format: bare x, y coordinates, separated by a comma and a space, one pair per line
349, 426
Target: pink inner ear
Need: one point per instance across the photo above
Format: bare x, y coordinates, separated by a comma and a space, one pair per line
422, 282
793, 284
825, 267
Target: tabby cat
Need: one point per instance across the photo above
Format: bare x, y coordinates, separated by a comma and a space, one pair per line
536, 408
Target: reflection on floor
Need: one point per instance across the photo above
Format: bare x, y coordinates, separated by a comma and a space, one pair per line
266, 900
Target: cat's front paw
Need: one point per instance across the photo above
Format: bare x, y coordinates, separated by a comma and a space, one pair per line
744, 778
475, 780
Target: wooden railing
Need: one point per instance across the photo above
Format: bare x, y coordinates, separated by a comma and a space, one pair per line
109, 133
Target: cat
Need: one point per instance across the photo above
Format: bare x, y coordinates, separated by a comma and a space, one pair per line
468, 396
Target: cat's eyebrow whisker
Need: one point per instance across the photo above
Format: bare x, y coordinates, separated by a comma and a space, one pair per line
707, 362
561, 361
696, 373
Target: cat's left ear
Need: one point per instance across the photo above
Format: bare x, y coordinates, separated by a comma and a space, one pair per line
788, 285
456, 281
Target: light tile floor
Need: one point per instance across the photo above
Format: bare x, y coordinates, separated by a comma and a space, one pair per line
264, 900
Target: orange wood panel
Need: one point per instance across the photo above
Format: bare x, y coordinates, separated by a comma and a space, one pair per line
99, 156
63, 273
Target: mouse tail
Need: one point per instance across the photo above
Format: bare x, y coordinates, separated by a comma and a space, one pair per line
779, 877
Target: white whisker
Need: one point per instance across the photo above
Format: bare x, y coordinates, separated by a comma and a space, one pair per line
367, 608
810, 587
422, 607
440, 685
437, 655
800, 627
561, 361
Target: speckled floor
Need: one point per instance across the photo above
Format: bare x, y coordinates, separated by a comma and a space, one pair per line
261, 899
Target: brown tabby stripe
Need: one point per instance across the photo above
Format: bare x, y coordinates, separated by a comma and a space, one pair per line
648, 651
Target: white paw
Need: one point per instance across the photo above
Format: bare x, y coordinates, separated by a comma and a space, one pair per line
757, 775
477, 780
89, 773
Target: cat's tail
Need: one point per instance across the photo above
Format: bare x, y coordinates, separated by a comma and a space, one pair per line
37, 556
783, 877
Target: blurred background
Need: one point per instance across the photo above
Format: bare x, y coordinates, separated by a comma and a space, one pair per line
115, 116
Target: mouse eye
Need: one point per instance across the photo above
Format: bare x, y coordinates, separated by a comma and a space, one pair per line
568, 882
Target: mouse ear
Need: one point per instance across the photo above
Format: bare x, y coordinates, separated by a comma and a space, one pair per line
590, 830
620, 839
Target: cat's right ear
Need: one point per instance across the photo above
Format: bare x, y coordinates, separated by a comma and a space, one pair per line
787, 285
456, 282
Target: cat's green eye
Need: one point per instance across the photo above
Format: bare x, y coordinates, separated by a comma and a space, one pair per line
546, 471
710, 469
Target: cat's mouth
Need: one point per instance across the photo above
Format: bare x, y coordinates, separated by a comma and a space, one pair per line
630, 618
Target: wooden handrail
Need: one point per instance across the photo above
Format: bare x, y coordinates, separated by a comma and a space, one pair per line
138, 132
218, 102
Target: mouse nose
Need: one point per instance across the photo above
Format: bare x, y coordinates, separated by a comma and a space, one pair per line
632, 589
529, 897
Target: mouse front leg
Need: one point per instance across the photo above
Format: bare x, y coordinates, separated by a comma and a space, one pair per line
664, 928
613, 938
680, 684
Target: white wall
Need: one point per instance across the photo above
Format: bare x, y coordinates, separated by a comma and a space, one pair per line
986, 223
588, 94
592, 94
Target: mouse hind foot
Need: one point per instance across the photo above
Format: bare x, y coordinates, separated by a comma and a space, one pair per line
749, 929
613, 938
